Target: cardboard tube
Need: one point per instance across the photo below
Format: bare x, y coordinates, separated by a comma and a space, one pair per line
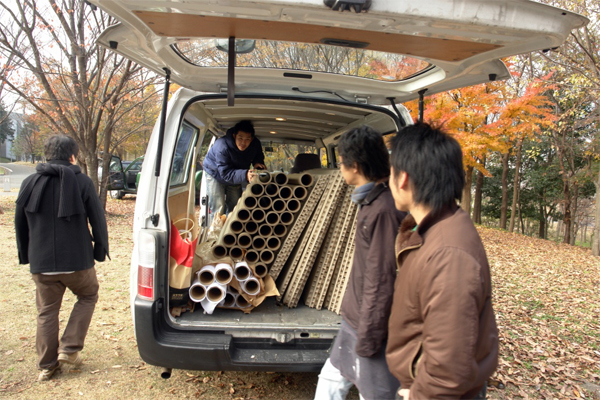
265, 230
251, 286
300, 179
300, 192
251, 227
273, 243
293, 205
215, 293
266, 256
256, 189
223, 273
260, 270
241, 214
237, 253
219, 251
285, 192
251, 256
264, 202
241, 271
244, 240
272, 218
279, 178
258, 215
279, 230
258, 243
241, 302
236, 226
229, 300
206, 275
286, 218
278, 205
228, 239
271, 190
197, 291
249, 202
262, 177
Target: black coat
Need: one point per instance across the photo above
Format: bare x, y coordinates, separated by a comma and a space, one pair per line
51, 222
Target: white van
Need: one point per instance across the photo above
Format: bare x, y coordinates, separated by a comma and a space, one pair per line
304, 72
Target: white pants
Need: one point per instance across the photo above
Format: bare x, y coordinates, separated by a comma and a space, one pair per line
332, 385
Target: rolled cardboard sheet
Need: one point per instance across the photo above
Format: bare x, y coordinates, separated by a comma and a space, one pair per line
278, 205
273, 243
215, 293
258, 243
241, 302
237, 253
251, 256
293, 205
272, 218
266, 256
258, 215
279, 178
256, 189
286, 218
279, 230
244, 240
272, 190
259, 269
265, 202
285, 192
300, 179
241, 271
206, 275
223, 273
265, 230
197, 291
219, 251
251, 286
300, 192
236, 226
251, 227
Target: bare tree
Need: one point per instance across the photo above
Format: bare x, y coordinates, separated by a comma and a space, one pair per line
80, 88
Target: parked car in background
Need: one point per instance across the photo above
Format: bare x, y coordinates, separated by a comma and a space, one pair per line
130, 175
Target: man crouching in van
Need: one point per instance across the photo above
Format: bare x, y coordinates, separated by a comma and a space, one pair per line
443, 340
358, 353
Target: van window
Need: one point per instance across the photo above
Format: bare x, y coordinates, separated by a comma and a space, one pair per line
280, 156
183, 154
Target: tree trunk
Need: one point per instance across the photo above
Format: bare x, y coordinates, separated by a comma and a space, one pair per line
516, 187
478, 189
466, 195
504, 207
574, 220
596, 231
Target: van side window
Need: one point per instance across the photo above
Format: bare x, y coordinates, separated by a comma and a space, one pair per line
183, 154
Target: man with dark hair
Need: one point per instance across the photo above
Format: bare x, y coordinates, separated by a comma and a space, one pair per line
53, 209
358, 353
443, 340
227, 166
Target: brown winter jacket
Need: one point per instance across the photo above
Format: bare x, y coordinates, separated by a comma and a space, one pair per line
368, 297
443, 339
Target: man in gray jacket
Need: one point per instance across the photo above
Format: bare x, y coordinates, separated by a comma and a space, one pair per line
358, 353
53, 209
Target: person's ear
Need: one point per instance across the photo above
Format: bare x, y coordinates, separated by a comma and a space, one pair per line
403, 180
73, 160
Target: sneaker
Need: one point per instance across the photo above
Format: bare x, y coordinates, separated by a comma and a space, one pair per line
46, 374
73, 358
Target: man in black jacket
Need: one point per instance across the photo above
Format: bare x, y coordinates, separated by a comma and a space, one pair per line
51, 223
358, 353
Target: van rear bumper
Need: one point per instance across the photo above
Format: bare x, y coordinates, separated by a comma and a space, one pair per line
162, 345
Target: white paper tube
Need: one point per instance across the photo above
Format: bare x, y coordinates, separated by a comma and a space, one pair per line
229, 300
223, 273
215, 292
206, 275
251, 286
241, 271
197, 291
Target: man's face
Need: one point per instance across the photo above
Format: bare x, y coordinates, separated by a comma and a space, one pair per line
398, 187
242, 140
348, 173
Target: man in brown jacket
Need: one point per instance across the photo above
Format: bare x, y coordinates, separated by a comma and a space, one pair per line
443, 340
358, 353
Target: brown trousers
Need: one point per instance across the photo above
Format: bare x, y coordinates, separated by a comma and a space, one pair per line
49, 294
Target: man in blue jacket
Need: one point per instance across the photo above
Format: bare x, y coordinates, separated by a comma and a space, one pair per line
227, 166
53, 209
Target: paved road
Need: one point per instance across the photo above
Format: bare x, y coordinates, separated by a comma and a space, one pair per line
19, 172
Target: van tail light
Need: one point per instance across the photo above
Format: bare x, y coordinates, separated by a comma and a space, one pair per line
146, 263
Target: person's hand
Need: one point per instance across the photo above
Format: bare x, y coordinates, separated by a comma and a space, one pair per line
249, 175
260, 166
404, 394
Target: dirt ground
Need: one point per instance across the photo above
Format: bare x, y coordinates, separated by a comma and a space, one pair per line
545, 296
